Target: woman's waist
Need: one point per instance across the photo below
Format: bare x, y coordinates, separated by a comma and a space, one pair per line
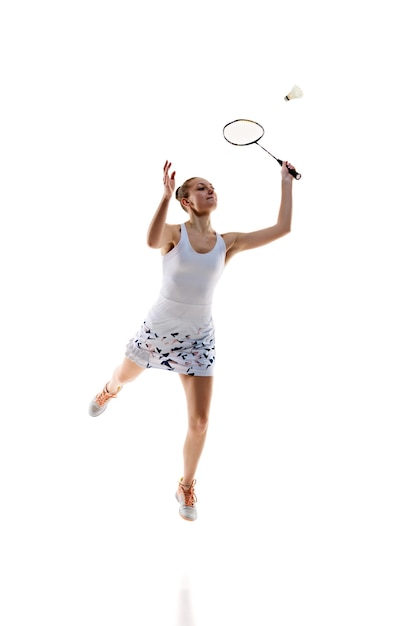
165, 310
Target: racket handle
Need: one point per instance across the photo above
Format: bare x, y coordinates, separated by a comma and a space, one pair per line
294, 173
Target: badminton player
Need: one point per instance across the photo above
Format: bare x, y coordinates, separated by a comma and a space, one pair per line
177, 334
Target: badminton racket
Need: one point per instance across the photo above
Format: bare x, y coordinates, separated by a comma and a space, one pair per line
246, 132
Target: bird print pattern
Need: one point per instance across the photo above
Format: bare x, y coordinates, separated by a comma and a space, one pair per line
175, 352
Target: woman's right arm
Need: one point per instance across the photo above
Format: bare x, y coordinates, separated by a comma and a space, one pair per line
160, 234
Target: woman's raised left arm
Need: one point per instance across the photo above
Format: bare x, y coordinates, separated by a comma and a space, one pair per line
238, 242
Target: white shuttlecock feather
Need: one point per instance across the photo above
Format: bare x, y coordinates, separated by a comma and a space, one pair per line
295, 92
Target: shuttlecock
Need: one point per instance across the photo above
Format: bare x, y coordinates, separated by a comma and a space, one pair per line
295, 92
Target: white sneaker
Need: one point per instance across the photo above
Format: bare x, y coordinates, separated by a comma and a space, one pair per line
186, 496
99, 403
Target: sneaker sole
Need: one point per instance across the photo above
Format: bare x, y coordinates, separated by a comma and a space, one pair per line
187, 519
95, 412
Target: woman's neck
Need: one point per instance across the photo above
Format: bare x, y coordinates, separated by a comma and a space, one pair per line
201, 224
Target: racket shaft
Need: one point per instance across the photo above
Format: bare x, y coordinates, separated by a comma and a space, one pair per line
294, 173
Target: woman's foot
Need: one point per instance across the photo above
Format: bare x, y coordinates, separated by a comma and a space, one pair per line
186, 496
99, 403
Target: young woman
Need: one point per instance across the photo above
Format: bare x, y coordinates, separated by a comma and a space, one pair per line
178, 333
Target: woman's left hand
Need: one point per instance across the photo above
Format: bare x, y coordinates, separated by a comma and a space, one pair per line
286, 175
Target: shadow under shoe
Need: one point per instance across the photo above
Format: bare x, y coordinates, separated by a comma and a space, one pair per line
186, 496
99, 404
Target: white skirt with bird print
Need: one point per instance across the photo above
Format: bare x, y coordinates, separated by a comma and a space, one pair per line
175, 337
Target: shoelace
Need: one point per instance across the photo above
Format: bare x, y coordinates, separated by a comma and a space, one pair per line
189, 494
104, 396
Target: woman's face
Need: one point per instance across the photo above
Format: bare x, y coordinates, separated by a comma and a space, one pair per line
202, 197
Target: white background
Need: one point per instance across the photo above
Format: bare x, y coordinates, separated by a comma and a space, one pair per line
307, 485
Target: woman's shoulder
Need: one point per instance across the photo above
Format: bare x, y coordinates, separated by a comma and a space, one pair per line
175, 229
174, 235
229, 239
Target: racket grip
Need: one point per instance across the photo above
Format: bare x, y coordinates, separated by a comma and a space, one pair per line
294, 173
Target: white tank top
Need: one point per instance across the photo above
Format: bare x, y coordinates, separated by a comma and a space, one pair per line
190, 277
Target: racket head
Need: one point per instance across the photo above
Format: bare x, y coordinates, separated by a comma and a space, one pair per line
243, 132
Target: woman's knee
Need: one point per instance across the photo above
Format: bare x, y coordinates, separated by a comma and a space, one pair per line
199, 423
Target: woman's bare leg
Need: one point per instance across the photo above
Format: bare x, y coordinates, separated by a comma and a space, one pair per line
198, 391
126, 372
